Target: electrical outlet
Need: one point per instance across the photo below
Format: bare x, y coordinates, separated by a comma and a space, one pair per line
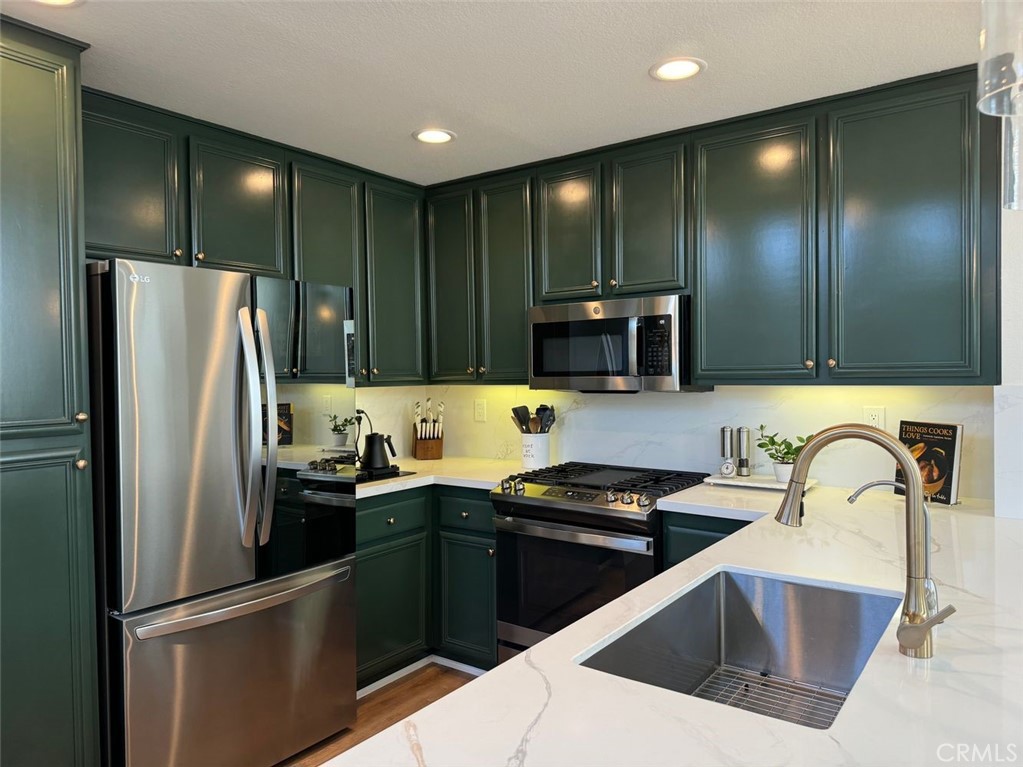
327, 404
479, 410
874, 416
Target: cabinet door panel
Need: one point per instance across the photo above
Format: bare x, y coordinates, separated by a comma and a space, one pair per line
755, 309
41, 373
394, 259
327, 216
47, 648
904, 292
452, 277
505, 259
237, 208
131, 190
648, 222
468, 620
569, 224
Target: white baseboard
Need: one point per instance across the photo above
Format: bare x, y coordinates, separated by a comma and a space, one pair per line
423, 662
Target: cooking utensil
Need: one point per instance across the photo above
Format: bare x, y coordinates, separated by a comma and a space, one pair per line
521, 414
534, 425
517, 424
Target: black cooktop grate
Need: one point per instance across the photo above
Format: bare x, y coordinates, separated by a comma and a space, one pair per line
653, 482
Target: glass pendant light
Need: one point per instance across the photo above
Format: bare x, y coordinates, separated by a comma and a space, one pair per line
1000, 72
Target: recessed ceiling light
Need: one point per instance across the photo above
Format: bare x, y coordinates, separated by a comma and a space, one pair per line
433, 135
60, 2
678, 68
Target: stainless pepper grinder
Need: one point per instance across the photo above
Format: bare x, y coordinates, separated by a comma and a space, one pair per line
743, 450
728, 467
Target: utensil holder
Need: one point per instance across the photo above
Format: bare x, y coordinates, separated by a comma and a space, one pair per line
536, 451
427, 449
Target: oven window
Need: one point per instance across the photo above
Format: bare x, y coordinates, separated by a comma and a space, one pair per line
545, 585
581, 348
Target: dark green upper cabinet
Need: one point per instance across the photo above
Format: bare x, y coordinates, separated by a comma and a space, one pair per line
41, 268
326, 211
569, 232
394, 275
237, 200
905, 262
647, 222
754, 294
452, 291
131, 190
504, 255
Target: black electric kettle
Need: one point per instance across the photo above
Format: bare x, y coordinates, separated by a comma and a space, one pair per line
374, 456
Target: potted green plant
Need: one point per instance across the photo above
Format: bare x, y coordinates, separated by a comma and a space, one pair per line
781, 451
339, 428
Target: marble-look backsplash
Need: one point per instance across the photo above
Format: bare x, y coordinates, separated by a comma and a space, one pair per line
682, 430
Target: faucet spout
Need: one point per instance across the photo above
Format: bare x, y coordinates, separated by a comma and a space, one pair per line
920, 605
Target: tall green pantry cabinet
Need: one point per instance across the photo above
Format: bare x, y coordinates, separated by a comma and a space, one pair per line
48, 709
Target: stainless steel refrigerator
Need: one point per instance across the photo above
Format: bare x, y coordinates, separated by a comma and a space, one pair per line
204, 662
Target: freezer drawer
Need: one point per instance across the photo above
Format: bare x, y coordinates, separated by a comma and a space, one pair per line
246, 677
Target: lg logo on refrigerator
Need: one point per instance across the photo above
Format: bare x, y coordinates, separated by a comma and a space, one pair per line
138, 277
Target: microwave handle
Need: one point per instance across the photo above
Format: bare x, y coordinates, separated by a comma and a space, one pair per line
633, 346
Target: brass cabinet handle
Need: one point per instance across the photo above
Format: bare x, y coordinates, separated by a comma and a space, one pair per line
808, 364
390, 520
594, 284
362, 371
376, 371
483, 370
613, 283
81, 464
465, 515
831, 363
200, 256
490, 552
81, 417
177, 252
468, 370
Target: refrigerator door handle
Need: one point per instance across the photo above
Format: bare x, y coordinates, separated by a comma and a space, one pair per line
270, 476
178, 625
251, 505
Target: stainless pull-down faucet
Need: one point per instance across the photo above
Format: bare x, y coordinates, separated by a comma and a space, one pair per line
920, 606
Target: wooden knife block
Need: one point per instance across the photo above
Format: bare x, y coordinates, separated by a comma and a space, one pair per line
426, 449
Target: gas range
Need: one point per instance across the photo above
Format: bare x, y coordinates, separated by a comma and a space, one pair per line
619, 497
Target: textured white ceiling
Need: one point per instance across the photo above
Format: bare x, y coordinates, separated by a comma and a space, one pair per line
518, 81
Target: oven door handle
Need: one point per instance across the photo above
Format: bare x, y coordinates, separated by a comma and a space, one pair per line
631, 543
328, 499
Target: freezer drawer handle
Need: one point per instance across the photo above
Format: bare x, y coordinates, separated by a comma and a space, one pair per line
154, 630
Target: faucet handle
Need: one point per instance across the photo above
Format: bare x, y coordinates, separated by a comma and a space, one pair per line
913, 635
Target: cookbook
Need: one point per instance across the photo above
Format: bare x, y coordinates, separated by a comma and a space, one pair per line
285, 421
937, 448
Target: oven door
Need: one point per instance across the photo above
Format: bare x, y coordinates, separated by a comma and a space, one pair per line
550, 575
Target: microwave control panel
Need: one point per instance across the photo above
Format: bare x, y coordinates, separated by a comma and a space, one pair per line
656, 351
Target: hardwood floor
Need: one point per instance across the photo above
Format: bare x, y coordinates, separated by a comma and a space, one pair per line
380, 709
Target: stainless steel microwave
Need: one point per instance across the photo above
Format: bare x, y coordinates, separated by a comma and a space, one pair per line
622, 345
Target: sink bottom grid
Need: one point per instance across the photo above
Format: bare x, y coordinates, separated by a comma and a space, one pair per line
775, 696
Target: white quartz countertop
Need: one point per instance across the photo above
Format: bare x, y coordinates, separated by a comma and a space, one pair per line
542, 708
477, 473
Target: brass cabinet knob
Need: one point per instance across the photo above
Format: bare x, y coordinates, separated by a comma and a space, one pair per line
200, 256
465, 515
363, 371
594, 284
831, 363
490, 552
81, 464
469, 370
390, 520
283, 491
81, 417
177, 252
376, 371
808, 364
294, 371
613, 283
483, 370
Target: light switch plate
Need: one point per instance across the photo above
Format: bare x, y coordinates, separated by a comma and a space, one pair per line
327, 405
479, 410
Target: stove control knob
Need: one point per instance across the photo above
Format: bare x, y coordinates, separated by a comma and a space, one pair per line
644, 500
506, 485
627, 498
610, 496
520, 487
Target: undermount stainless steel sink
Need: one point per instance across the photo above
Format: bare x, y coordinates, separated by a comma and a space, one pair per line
783, 649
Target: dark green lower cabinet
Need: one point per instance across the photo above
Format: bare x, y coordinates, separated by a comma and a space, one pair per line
468, 611
688, 534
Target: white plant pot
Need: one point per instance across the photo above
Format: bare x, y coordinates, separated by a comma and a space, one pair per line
783, 471
341, 439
